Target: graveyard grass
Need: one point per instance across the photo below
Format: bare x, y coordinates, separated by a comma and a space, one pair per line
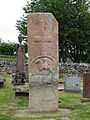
9, 104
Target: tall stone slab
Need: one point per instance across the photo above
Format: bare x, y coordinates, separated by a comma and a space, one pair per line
43, 62
86, 87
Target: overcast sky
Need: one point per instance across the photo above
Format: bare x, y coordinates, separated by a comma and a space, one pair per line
10, 11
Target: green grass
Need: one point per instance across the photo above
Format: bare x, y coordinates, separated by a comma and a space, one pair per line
10, 56
71, 101
7, 56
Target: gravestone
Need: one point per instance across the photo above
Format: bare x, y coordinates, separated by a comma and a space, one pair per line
72, 84
86, 87
19, 77
43, 62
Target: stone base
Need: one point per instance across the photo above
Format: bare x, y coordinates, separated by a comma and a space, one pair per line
43, 98
43, 93
27, 113
22, 90
73, 91
21, 80
60, 89
85, 100
21, 94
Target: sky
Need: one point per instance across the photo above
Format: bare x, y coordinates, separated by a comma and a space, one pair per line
10, 12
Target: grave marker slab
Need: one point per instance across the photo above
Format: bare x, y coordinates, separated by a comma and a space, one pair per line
43, 62
72, 84
86, 87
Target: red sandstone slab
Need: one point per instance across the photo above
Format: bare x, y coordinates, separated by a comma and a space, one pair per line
43, 62
42, 36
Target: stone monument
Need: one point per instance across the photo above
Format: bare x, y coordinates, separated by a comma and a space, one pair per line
86, 87
19, 77
43, 62
72, 84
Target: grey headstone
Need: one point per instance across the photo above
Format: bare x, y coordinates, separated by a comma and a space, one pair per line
72, 83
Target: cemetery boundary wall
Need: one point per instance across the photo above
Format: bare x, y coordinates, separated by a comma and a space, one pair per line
8, 66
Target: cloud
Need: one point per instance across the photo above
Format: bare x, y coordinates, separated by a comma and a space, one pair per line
10, 11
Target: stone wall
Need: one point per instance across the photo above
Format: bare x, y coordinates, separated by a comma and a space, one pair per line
73, 68
7, 66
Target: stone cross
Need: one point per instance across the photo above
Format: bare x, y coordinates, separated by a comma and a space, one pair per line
20, 73
43, 62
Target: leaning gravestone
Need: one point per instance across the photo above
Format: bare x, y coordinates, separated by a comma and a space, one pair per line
72, 84
86, 87
19, 77
43, 62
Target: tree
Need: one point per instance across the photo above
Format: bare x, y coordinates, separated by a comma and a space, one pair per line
7, 48
74, 25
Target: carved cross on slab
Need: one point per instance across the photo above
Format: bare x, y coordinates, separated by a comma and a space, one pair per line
43, 42
40, 38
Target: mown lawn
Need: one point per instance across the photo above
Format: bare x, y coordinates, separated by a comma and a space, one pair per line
71, 101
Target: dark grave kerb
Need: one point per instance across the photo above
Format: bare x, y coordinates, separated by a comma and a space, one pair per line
2, 82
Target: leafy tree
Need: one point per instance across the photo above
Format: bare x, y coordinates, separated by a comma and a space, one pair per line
7, 48
74, 25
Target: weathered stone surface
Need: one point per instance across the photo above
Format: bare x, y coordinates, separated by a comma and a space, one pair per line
43, 98
86, 85
72, 84
43, 62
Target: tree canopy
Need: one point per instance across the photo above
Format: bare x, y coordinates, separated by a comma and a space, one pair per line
9, 48
73, 17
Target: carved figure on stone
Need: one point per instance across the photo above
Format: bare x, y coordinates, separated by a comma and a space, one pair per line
43, 65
